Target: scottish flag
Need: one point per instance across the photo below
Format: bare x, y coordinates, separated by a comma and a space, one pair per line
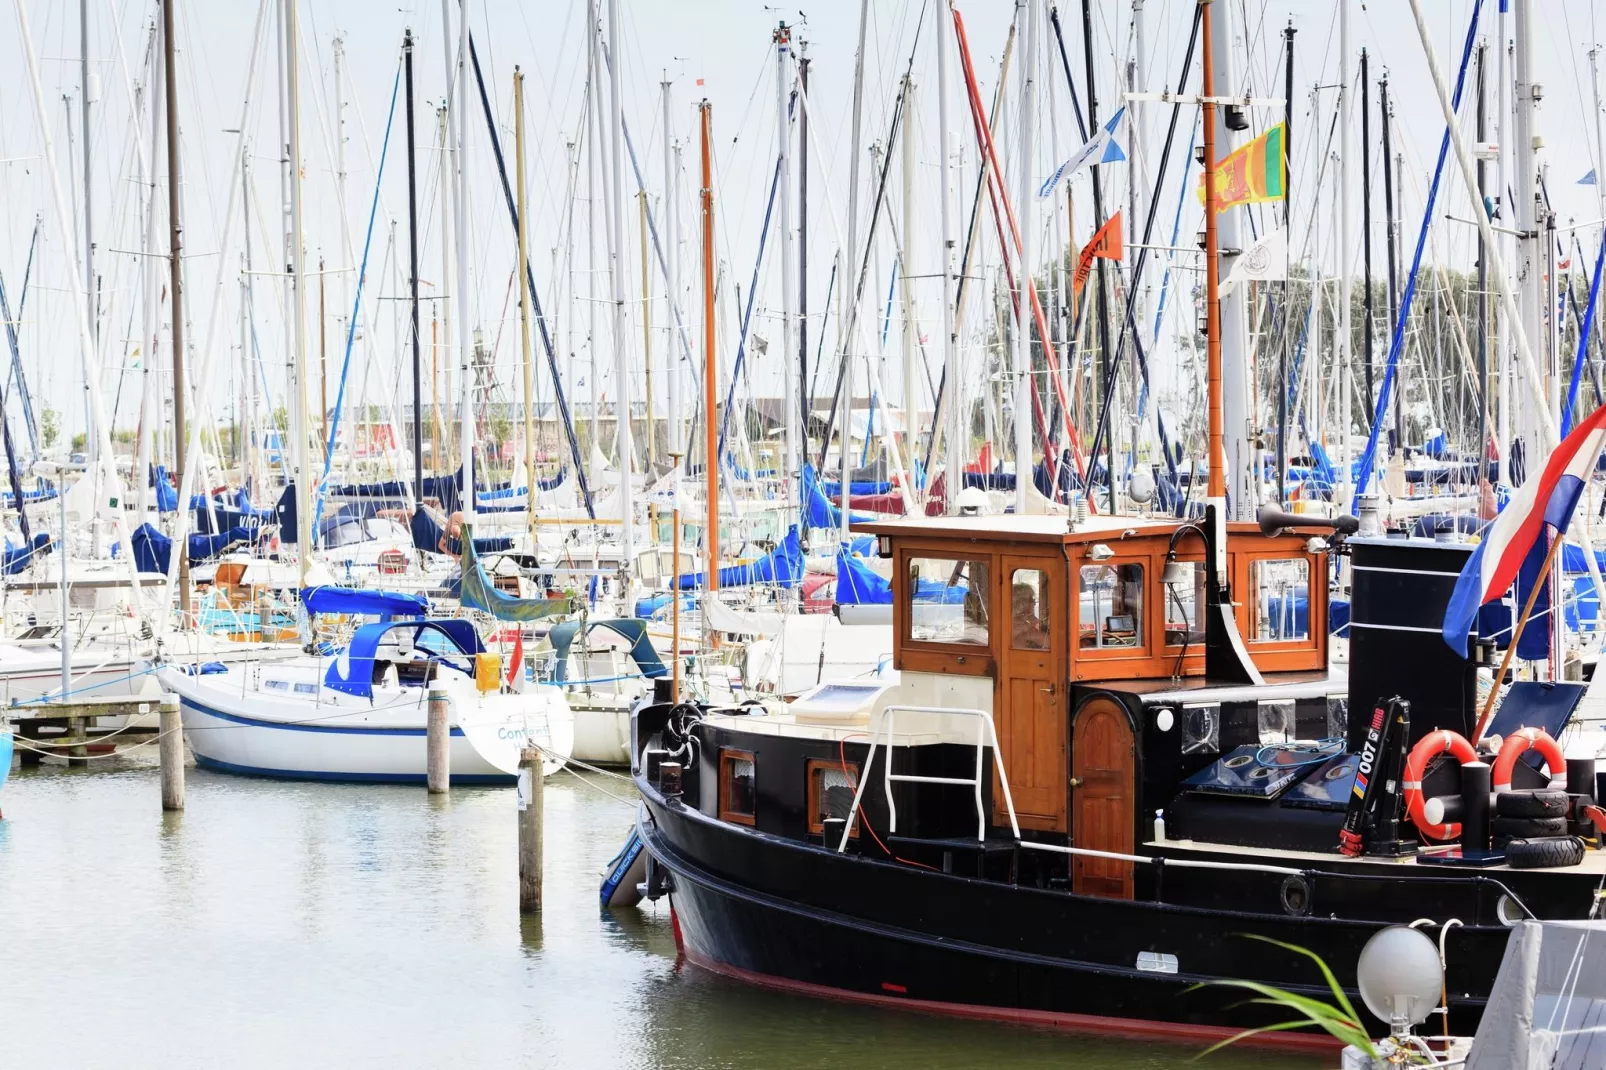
1105, 146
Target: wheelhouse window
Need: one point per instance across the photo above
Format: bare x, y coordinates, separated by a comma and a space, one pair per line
1028, 609
1110, 611
948, 601
831, 785
1282, 600
737, 788
1184, 605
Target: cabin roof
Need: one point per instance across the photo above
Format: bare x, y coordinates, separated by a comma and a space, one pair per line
1031, 527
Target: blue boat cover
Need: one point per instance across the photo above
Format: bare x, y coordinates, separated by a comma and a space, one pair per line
382, 604
166, 493
641, 648
18, 558
856, 585
428, 536
353, 671
153, 551
817, 511
476, 591
857, 486
782, 565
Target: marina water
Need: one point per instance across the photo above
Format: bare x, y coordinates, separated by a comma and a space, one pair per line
280, 924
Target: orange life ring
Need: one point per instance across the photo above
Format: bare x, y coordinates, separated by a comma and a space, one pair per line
1430, 746
1520, 741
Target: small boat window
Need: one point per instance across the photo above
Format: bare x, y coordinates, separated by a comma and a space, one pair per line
1028, 609
948, 601
737, 794
1111, 613
1282, 600
830, 792
1184, 604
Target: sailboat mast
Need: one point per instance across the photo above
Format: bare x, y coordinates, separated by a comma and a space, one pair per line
783, 142
956, 430
621, 352
804, 402
524, 302
412, 278
672, 267
1022, 349
176, 287
152, 324
851, 255
1217, 492
465, 355
298, 326
1342, 350
89, 205
710, 363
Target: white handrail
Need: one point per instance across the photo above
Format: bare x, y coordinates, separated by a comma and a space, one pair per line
1178, 863
985, 734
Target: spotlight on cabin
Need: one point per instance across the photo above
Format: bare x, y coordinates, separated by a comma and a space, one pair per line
1100, 552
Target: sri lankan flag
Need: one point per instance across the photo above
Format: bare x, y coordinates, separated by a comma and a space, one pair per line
1256, 172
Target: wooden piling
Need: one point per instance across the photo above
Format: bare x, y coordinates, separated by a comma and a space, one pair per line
171, 748
532, 814
78, 739
438, 742
264, 615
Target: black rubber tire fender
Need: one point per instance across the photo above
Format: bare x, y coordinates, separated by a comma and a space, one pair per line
1545, 852
1527, 828
1540, 802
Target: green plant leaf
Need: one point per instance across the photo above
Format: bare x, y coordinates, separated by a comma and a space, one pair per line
1332, 982
1340, 1021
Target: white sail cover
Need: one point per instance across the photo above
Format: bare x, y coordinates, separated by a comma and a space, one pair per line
1548, 1007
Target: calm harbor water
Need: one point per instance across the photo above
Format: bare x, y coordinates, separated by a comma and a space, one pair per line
309, 925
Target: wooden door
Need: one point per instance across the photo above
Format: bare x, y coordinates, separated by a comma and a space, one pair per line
1029, 700
1103, 798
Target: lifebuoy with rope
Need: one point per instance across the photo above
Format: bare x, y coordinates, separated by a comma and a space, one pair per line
1520, 742
1430, 746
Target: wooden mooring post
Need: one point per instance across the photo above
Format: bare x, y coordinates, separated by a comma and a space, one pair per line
170, 746
438, 742
532, 819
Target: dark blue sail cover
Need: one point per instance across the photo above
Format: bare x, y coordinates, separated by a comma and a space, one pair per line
362, 602
856, 585
153, 551
782, 565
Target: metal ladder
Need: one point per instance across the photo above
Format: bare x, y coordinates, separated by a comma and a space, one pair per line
885, 726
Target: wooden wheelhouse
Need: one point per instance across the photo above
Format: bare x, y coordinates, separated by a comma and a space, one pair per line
1054, 628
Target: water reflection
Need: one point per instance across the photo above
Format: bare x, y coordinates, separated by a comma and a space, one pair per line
357, 925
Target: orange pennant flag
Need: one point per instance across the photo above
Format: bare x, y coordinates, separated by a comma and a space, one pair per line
1106, 243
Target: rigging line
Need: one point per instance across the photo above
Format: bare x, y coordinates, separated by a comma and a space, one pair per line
1128, 321
972, 233
535, 297
747, 315
356, 306
1369, 457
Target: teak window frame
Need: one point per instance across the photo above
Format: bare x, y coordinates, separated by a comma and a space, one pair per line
811, 795
728, 756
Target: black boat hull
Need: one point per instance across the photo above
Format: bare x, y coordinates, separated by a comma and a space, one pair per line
745, 925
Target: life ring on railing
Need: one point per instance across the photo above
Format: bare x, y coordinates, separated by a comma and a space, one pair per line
1520, 741
1430, 746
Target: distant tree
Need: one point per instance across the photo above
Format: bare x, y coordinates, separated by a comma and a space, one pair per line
50, 426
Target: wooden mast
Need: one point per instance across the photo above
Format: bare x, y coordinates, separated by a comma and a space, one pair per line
710, 364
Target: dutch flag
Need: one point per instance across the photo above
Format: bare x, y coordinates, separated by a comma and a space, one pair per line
1548, 498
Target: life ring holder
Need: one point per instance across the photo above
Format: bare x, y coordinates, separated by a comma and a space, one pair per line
1520, 742
1430, 746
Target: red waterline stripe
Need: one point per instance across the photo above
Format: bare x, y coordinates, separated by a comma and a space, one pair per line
1136, 1028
